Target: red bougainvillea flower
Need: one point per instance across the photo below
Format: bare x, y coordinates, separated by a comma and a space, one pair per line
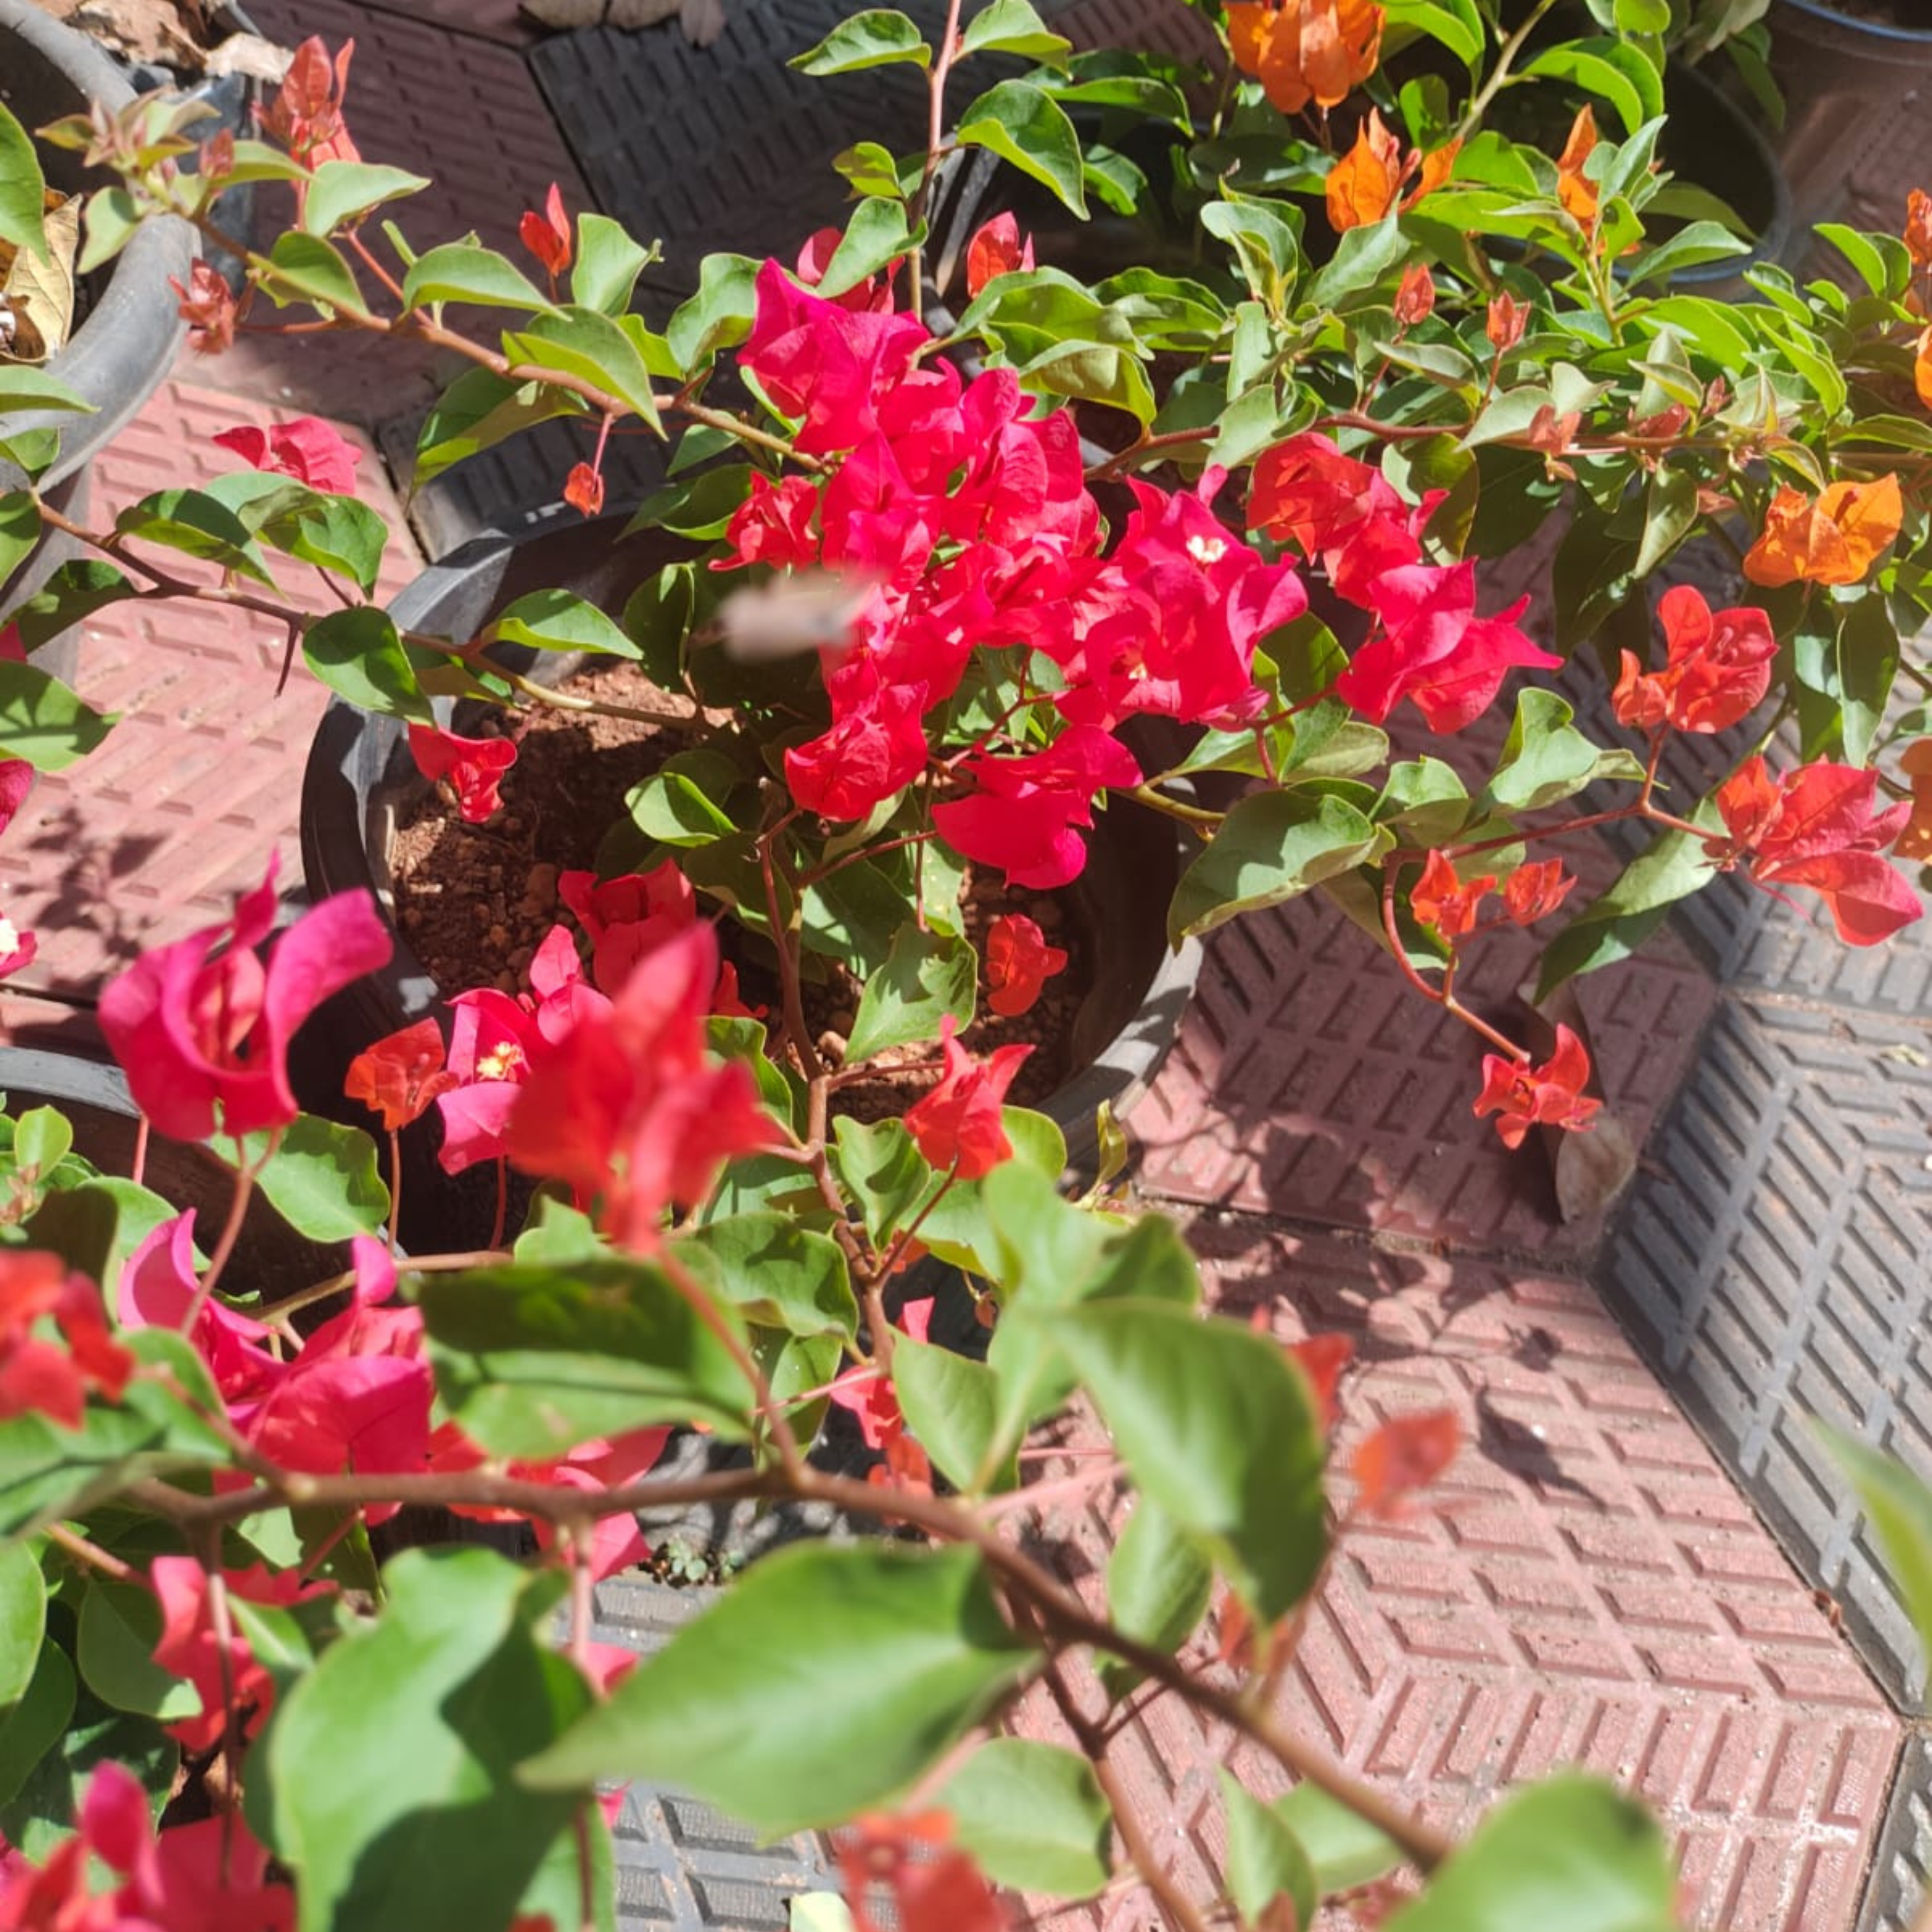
1551, 1094
1321, 1358
996, 249
400, 1075
825, 363
876, 748
1304, 50
869, 1397
1435, 649
1835, 540
157, 1288
1505, 321
1717, 671
773, 524
1023, 815
958, 1124
931, 1884
17, 949
189, 1649
1406, 1454
208, 1876
1533, 892
309, 450
584, 489
1019, 962
1343, 513
547, 235
474, 767
37, 1375
1441, 900
306, 116
193, 1032
627, 1106
625, 917
208, 306
1816, 826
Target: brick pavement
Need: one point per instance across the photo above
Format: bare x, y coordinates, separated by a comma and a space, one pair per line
1592, 1583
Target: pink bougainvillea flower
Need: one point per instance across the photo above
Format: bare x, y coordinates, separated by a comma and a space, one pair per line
627, 1105
1343, 513
1435, 649
727, 1003
1816, 826
400, 1075
1717, 671
208, 308
17, 949
876, 748
1440, 899
825, 363
1022, 817
1551, 1094
1533, 892
38, 1375
306, 116
1406, 1454
309, 450
1019, 962
193, 1032
869, 1396
996, 249
774, 523
547, 235
157, 1288
662, 893
474, 767
189, 1649
958, 1124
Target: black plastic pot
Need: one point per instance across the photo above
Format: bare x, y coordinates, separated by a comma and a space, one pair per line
360, 778
1710, 141
126, 342
270, 1256
1858, 118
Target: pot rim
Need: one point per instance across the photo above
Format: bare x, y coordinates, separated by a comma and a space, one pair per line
1877, 30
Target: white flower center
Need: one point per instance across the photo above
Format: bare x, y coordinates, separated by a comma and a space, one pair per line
1207, 550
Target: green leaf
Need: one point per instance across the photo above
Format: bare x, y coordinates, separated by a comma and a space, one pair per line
332, 532
112, 217
608, 263
1271, 847
1158, 1588
1614, 73
951, 1402
701, 507
421, 1720
1265, 1858
1545, 759
926, 976
1899, 1506
871, 170
1024, 125
23, 190
343, 192
313, 270
321, 1179
197, 525
1867, 654
1673, 868
24, 388
42, 1137
120, 1625
464, 272
358, 654
678, 805
880, 1168
33, 1723
531, 1363
1569, 1855
1344, 1849
44, 722
1219, 1429
879, 37
1670, 515
23, 1620
778, 1274
478, 410
1033, 1817
718, 316
1013, 27
819, 1912
824, 1683
580, 342
557, 620
1455, 23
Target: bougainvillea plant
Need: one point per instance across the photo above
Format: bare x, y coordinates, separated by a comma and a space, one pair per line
970, 568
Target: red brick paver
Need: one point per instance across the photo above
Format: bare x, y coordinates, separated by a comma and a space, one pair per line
1585, 1587
201, 778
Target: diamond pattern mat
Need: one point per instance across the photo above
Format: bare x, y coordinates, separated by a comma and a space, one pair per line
1772, 1264
1584, 1587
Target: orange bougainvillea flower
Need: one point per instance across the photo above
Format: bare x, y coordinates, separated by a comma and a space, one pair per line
1836, 540
1921, 370
1406, 1454
1304, 50
1915, 841
1442, 901
1415, 299
1574, 189
1918, 227
1363, 185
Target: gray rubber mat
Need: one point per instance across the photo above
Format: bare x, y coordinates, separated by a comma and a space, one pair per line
1902, 1865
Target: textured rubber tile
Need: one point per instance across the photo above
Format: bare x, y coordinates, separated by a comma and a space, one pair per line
1311, 1080
152, 835
1584, 1587
1772, 1266
502, 21
681, 1867
1902, 1868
